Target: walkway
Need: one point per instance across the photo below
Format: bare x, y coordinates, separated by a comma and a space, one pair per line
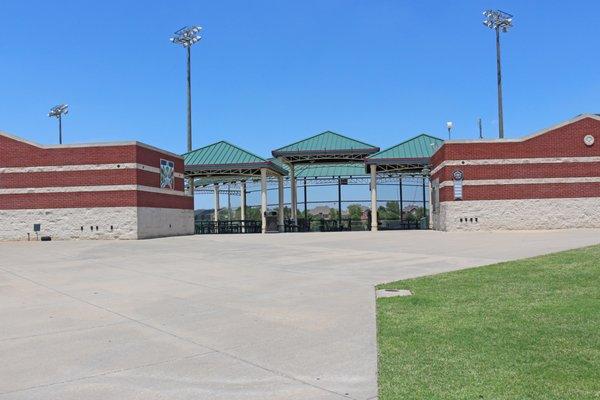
283, 316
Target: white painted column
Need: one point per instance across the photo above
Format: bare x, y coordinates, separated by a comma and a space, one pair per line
192, 190
294, 196
217, 206
263, 199
243, 205
430, 215
280, 213
374, 226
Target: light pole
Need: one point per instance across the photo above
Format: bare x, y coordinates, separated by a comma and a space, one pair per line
188, 36
449, 126
58, 111
498, 21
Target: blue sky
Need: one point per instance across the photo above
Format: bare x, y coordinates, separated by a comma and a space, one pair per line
268, 73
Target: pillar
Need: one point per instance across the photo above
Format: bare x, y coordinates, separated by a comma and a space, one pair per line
229, 202
424, 201
374, 226
243, 205
217, 206
339, 203
294, 196
280, 210
305, 198
263, 199
401, 200
430, 205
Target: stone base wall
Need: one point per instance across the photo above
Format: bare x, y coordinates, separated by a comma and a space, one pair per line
158, 222
517, 214
95, 223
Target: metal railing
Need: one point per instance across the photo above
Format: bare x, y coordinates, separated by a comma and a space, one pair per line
230, 226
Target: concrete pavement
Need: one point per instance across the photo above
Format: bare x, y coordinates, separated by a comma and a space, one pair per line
284, 316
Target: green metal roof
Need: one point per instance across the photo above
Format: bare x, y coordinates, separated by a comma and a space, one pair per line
221, 153
324, 170
325, 141
421, 146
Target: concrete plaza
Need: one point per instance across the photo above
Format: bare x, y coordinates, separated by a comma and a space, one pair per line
283, 316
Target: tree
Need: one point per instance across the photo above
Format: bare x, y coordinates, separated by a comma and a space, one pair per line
355, 211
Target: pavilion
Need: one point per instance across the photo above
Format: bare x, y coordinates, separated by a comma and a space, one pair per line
327, 158
223, 162
409, 157
327, 150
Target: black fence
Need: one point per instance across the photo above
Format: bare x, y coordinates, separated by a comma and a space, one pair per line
233, 226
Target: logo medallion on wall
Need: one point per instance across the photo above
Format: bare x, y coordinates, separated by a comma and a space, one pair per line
588, 140
167, 174
457, 176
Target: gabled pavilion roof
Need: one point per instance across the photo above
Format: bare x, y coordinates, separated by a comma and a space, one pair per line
412, 154
221, 153
226, 159
326, 146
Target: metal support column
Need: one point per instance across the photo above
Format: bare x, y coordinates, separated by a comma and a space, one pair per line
401, 200
499, 72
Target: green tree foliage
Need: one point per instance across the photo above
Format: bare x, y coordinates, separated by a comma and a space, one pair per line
355, 211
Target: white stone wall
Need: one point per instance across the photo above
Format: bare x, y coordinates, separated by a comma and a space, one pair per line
157, 222
96, 223
518, 214
70, 223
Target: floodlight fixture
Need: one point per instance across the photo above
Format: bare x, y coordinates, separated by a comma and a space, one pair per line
57, 112
187, 37
498, 20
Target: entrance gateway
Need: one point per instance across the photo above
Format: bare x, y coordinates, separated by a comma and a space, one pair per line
327, 162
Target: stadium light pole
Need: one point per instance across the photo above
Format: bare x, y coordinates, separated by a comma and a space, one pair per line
57, 112
187, 37
498, 21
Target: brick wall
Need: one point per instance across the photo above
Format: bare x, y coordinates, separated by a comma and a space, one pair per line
545, 165
37, 177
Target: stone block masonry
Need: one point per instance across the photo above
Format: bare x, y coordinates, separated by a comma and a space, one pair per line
125, 190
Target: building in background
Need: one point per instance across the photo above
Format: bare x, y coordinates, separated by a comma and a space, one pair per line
124, 190
549, 180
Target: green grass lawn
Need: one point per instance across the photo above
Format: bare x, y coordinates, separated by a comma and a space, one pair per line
527, 329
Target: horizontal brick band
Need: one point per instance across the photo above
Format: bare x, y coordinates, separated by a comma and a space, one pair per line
85, 189
527, 191
562, 141
83, 167
19, 153
526, 181
83, 177
567, 170
115, 198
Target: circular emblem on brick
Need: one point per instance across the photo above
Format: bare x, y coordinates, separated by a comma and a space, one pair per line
589, 140
457, 175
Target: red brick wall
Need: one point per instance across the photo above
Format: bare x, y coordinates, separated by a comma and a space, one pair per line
117, 198
17, 154
563, 142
